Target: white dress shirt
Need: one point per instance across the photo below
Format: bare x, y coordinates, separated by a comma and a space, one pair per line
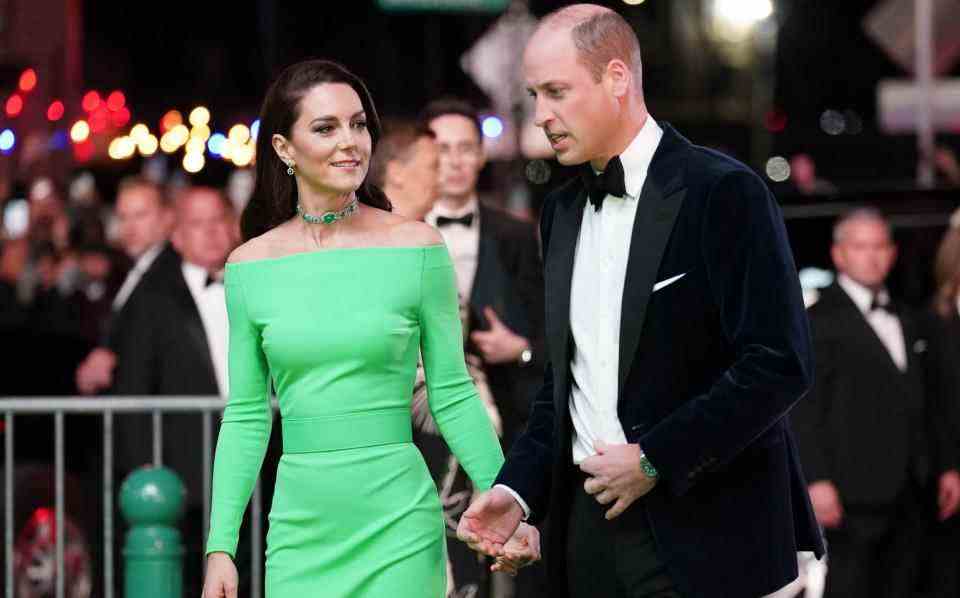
596, 303
463, 242
885, 324
140, 268
212, 305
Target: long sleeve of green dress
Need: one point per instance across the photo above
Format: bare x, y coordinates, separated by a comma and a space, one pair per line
246, 423
453, 399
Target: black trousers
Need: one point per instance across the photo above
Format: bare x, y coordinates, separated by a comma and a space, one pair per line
876, 551
612, 559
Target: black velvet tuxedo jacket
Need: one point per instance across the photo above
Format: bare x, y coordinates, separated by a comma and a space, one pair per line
710, 366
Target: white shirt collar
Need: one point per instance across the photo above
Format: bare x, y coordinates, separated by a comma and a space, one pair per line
862, 296
637, 157
195, 276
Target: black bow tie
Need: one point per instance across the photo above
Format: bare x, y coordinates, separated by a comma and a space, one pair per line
887, 306
465, 220
213, 279
608, 182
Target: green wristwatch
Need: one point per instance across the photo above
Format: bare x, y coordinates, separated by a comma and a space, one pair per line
646, 467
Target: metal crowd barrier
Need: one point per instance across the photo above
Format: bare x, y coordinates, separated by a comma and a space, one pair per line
107, 407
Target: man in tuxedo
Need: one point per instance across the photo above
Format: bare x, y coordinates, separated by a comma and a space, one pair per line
174, 342
497, 261
678, 342
873, 446
143, 221
405, 166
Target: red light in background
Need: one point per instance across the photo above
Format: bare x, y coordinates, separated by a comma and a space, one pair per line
99, 121
14, 106
91, 101
55, 111
120, 117
83, 151
116, 101
28, 80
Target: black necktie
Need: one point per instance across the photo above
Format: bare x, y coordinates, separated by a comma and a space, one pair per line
608, 182
465, 220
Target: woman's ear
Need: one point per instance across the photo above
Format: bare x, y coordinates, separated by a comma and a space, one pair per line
283, 149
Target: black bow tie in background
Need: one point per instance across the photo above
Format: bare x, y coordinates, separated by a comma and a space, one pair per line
215, 278
608, 182
887, 306
465, 220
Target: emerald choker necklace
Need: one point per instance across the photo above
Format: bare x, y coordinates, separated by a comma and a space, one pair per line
329, 217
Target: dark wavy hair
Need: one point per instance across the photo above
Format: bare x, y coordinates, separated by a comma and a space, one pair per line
274, 198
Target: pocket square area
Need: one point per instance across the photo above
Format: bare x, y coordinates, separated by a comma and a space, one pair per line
667, 282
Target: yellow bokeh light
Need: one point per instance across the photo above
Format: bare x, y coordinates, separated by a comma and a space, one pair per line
243, 155
80, 131
179, 135
196, 146
168, 143
201, 132
193, 162
239, 134
199, 116
121, 148
148, 145
139, 132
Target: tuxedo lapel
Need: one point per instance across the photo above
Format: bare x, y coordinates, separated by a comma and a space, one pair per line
861, 328
565, 230
659, 203
189, 313
489, 279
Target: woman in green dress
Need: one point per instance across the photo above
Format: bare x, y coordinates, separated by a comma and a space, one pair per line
333, 298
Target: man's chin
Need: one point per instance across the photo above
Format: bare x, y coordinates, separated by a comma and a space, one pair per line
569, 158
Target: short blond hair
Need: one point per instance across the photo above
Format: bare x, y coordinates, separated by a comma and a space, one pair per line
600, 35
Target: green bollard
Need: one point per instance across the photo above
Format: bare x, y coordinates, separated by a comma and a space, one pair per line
152, 500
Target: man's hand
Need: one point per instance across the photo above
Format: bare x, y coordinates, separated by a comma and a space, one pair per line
490, 521
616, 476
522, 549
95, 373
948, 496
499, 344
826, 503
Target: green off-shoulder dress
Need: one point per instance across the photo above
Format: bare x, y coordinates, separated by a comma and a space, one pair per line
355, 512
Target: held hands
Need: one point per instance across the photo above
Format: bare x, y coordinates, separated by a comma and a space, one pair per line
522, 549
499, 344
616, 476
826, 503
490, 522
221, 580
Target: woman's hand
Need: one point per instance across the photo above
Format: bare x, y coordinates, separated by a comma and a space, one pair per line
221, 580
520, 550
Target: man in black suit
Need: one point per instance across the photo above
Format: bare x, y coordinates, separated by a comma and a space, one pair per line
144, 221
497, 261
174, 342
871, 443
678, 342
